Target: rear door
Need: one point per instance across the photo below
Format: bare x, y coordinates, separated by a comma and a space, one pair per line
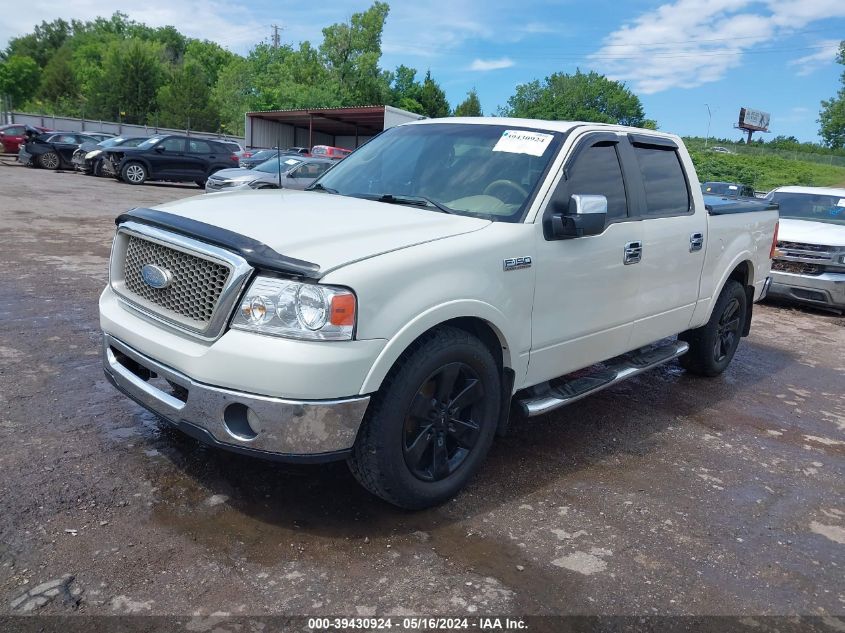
674, 238
587, 287
199, 157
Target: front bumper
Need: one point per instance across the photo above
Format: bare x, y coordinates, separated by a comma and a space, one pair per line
80, 163
826, 290
275, 428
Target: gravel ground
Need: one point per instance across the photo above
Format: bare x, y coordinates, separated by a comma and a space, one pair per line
668, 494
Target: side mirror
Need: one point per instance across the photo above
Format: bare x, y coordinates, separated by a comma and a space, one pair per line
159, 148
585, 215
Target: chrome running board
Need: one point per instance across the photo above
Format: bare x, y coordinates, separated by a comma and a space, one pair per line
614, 371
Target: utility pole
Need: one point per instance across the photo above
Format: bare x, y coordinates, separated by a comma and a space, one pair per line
276, 39
709, 117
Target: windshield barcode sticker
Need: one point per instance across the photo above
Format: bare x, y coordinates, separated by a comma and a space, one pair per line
521, 142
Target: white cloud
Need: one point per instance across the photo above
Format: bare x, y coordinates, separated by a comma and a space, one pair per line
687, 43
226, 23
826, 54
490, 64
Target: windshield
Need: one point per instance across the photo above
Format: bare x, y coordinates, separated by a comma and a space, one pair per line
110, 142
150, 142
488, 171
272, 166
720, 188
811, 206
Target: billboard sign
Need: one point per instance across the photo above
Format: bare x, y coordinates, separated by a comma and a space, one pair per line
754, 120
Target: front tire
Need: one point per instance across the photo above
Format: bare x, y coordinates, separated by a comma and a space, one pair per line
431, 424
134, 173
713, 345
49, 160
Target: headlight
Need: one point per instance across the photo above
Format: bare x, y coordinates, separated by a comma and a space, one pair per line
255, 183
282, 307
93, 154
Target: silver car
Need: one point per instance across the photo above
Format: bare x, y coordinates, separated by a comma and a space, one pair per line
290, 172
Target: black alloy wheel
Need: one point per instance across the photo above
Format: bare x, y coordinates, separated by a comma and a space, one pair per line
440, 429
728, 331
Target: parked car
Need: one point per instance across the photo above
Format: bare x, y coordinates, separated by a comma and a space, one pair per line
52, 150
234, 146
730, 189
293, 172
391, 314
809, 267
88, 157
257, 157
720, 150
327, 151
169, 157
14, 134
304, 151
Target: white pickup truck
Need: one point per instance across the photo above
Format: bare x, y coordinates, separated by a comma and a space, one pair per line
445, 274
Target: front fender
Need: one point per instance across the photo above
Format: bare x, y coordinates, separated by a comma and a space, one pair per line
434, 316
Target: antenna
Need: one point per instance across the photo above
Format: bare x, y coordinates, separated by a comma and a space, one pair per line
279, 156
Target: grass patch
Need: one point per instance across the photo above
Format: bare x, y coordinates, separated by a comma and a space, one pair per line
765, 172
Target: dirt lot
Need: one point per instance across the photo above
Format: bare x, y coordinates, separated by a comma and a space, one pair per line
669, 494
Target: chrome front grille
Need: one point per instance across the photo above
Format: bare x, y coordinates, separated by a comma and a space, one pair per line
808, 253
197, 282
205, 281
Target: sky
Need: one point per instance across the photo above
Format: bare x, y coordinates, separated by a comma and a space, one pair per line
680, 57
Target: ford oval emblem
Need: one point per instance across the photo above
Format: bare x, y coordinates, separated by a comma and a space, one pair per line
156, 276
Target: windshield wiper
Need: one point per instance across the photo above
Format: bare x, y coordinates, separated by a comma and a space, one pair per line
415, 201
320, 187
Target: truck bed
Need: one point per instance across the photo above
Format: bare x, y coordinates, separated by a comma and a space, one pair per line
720, 205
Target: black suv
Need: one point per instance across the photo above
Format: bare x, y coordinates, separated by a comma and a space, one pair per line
170, 157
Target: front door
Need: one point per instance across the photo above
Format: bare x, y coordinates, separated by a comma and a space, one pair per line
168, 158
586, 292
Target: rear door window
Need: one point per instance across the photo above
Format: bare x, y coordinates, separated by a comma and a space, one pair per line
664, 181
199, 147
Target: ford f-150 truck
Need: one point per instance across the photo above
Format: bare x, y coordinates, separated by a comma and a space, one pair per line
446, 274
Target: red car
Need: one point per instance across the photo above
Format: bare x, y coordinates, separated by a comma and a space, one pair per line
327, 151
12, 136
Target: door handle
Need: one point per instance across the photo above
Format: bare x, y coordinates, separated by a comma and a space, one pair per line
696, 242
633, 253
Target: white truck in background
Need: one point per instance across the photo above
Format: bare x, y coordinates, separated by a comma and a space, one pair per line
445, 274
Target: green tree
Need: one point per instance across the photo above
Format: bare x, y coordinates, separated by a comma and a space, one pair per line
235, 94
579, 97
19, 77
42, 43
432, 98
832, 115
185, 102
58, 82
351, 53
210, 56
133, 71
471, 106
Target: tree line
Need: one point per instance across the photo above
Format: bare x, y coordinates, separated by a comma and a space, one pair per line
119, 69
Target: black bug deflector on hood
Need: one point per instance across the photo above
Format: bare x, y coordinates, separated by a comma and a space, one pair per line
256, 253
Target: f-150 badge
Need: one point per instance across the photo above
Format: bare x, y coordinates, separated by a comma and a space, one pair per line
515, 263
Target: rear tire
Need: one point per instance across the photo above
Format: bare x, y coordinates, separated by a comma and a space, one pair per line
49, 160
134, 173
713, 345
430, 426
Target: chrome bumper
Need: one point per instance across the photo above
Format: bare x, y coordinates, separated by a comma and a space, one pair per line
827, 289
293, 430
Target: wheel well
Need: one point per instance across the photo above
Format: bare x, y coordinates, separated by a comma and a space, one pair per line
494, 342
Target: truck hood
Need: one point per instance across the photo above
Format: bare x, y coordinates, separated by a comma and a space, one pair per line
328, 230
809, 232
